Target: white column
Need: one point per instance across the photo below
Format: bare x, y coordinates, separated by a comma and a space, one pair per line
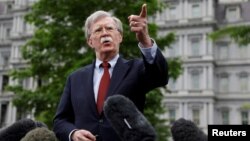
8, 114
210, 8
181, 47
210, 47
23, 2
232, 82
185, 78
11, 113
186, 10
18, 24
211, 113
16, 51
22, 24
180, 110
210, 77
17, 2
185, 108
205, 80
180, 83
204, 116
19, 52
185, 45
204, 8
204, 44
12, 52
181, 9
14, 26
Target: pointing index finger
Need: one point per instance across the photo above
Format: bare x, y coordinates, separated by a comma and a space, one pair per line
143, 13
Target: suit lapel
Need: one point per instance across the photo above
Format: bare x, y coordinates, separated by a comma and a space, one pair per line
89, 73
118, 74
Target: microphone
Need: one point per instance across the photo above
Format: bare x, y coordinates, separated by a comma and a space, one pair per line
186, 130
128, 122
18, 130
40, 134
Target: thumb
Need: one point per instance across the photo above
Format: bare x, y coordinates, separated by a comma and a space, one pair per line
143, 13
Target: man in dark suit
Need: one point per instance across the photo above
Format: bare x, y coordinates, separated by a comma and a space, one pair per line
79, 116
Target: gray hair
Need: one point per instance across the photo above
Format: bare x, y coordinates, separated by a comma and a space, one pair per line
97, 15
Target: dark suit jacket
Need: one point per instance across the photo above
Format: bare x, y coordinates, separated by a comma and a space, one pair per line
77, 107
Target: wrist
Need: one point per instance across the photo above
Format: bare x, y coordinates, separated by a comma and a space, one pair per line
147, 43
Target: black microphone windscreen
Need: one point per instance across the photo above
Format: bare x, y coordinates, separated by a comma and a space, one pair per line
40, 134
186, 130
128, 122
17, 130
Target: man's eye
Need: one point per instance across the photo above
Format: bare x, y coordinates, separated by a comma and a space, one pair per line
110, 28
98, 30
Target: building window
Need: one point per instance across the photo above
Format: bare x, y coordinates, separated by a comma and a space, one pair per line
195, 80
223, 51
173, 13
172, 84
225, 117
243, 52
223, 82
3, 114
243, 77
244, 117
194, 45
8, 30
5, 58
196, 10
196, 116
5, 82
174, 49
172, 116
233, 13
17, 52
9, 7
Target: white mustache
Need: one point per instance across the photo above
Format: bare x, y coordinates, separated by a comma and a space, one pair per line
106, 39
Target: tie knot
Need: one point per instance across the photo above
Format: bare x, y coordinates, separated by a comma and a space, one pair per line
105, 64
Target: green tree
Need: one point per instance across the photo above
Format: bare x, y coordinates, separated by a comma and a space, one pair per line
59, 47
241, 34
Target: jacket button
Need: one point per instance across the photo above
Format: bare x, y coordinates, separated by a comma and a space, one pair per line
100, 120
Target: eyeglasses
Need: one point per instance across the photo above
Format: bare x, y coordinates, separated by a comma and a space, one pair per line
99, 30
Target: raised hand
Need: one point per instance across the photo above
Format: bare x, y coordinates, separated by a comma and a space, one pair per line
139, 25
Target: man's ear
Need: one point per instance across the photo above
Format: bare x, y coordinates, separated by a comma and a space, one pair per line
120, 38
89, 41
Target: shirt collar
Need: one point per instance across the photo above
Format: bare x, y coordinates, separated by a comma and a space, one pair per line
112, 62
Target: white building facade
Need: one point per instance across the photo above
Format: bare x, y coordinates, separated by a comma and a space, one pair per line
14, 32
214, 87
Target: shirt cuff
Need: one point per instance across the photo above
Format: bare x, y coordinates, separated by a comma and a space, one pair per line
149, 52
70, 134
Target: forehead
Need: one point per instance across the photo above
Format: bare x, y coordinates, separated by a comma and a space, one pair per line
103, 21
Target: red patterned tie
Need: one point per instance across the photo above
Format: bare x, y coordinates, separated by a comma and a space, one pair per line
103, 88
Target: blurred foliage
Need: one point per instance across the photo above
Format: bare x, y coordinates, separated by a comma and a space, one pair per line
241, 34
